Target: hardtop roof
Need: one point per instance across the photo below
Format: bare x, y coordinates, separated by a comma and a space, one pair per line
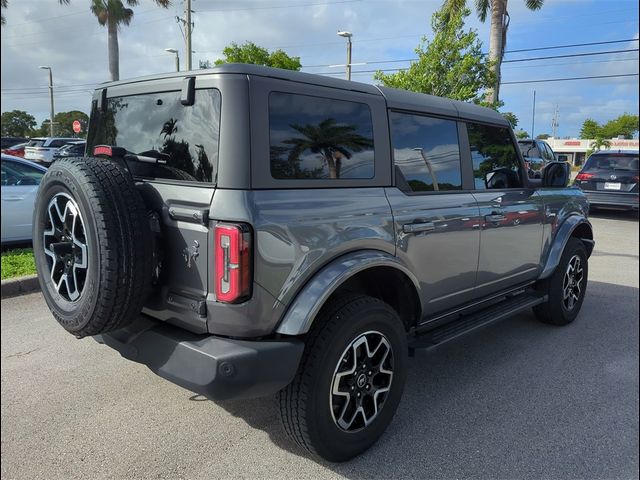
396, 99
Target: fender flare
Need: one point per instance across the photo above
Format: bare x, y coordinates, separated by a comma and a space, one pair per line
560, 241
303, 310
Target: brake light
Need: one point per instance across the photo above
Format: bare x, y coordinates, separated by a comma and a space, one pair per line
232, 262
635, 179
103, 150
585, 176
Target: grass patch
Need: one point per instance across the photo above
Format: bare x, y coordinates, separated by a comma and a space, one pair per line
17, 263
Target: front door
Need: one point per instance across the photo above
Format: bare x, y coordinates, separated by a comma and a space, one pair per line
437, 224
511, 213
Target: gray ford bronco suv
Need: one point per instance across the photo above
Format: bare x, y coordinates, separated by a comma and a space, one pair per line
246, 231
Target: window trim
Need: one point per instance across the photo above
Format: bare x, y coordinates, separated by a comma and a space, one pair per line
261, 88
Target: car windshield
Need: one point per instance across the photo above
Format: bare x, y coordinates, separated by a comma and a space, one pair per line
612, 162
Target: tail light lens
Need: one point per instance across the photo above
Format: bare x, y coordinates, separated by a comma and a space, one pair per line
232, 262
584, 176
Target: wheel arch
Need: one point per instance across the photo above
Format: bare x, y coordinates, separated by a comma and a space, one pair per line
371, 272
575, 226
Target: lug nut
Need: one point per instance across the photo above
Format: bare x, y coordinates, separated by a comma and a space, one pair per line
368, 387
369, 372
358, 395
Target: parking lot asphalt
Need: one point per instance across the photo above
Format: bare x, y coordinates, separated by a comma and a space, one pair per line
517, 399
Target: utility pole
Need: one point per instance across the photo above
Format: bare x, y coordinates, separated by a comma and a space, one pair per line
533, 117
554, 122
188, 29
50, 99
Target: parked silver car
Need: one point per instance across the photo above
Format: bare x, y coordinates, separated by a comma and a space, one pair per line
42, 149
20, 181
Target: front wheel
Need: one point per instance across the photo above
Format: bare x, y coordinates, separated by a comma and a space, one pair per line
350, 380
566, 287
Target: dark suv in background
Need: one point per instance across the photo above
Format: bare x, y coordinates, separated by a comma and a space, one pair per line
246, 231
610, 179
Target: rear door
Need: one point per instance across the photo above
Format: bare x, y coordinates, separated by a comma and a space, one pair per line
437, 223
151, 120
512, 213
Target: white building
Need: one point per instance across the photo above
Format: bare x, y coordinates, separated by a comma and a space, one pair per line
573, 149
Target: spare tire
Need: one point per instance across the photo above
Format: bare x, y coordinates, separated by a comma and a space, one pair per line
92, 245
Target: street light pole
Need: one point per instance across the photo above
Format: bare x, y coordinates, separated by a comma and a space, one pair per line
174, 50
50, 99
348, 36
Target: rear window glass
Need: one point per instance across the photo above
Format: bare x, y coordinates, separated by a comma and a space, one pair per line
184, 138
35, 143
319, 138
426, 152
612, 162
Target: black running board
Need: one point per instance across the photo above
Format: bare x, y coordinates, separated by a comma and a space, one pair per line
456, 328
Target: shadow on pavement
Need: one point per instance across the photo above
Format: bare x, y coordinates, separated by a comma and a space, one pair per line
517, 399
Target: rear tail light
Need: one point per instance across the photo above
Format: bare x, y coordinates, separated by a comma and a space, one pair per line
232, 262
584, 176
635, 179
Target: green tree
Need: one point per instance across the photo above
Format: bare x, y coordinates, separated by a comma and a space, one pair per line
251, 53
17, 123
332, 140
511, 118
63, 122
597, 145
520, 134
498, 33
543, 136
3, 4
590, 129
625, 125
451, 65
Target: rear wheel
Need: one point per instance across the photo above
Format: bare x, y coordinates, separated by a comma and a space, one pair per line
566, 287
350, 379
91, 240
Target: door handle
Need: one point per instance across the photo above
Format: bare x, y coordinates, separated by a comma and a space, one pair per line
495, 217
418, 227
13, 199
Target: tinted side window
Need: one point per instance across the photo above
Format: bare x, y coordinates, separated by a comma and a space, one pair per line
319, 138
57, 143
495, 162
158, 125
426, 152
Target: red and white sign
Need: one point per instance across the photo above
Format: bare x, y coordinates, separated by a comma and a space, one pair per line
77, 127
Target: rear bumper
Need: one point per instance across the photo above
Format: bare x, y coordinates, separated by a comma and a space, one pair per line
216, 367
613, 200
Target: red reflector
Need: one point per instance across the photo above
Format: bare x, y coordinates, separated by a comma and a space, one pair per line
585, 176
103, 150
232, 262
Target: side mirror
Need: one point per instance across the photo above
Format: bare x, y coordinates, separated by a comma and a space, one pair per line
556, 175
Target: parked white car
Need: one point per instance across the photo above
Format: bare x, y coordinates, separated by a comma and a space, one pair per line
20, 181
42, 149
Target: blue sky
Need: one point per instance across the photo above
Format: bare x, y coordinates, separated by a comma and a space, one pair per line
69, 39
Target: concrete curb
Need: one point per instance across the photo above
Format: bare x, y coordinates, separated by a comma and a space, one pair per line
12, 287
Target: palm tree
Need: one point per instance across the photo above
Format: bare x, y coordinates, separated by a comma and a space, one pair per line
3, 4
598, 143
333, 141
498, 33
114, 13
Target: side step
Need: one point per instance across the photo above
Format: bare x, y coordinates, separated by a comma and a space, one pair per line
465, 324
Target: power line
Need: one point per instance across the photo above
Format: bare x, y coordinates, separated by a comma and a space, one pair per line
570, 55
516, 51
570, 78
